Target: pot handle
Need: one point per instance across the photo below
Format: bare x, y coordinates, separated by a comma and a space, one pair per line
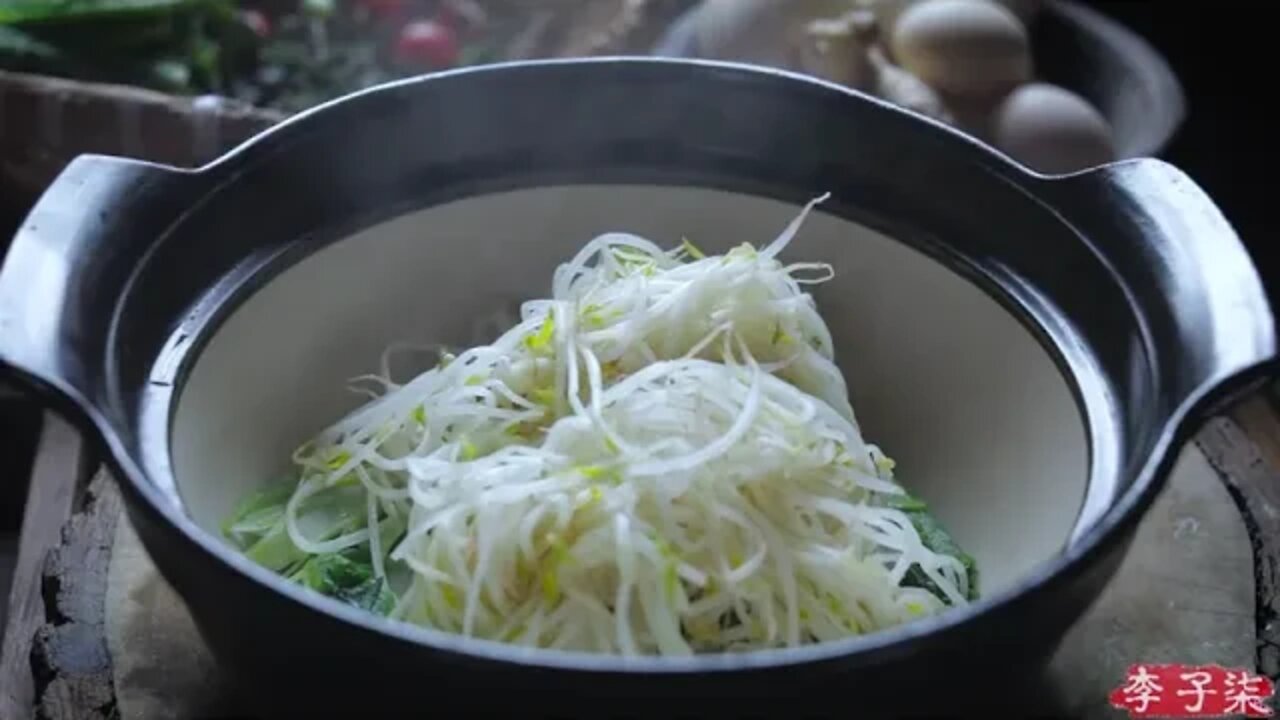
69, 264
1192, 277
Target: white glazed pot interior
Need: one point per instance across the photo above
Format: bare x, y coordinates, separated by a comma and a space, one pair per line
981, 422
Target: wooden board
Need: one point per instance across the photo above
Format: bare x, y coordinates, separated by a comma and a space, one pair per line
1246, 450
1185, 593
55, 480
45, 122
71, 666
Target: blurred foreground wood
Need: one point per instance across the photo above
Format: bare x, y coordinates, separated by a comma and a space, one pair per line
56, 480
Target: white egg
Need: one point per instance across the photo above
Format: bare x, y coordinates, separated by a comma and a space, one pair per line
1052, 130
967, 48
887, 12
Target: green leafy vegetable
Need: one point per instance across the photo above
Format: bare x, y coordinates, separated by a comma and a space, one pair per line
936, 538
258, 525
276, 551
257, 514
347, 580
390, 530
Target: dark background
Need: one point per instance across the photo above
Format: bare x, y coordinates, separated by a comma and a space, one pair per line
1222, 51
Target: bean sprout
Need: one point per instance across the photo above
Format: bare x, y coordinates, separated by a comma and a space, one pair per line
661, 458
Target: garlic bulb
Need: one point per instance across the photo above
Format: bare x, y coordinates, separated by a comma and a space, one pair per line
887, 13
765, 32
906, 90
838, 49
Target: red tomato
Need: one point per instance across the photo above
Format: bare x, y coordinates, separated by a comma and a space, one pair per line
383, 9
427, 42
257, 22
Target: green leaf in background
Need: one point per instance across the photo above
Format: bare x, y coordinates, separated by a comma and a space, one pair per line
16, 43
21, 52
306, 52
205, 61
318, 8
181, 46
171, 75
25, 11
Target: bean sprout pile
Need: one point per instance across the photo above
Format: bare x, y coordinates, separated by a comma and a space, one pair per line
660, 459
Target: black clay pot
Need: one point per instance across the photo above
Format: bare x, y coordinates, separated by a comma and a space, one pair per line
1033, 350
